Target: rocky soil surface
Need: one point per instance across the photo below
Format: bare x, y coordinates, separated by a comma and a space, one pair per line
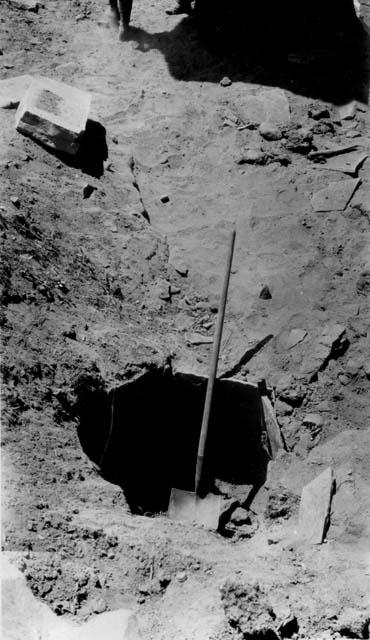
112, 266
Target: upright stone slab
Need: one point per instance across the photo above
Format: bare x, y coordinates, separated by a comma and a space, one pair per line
54, 114
314, 510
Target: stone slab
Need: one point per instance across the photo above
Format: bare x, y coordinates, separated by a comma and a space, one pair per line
335, 196
314, 509
27, 5
270, 105
272, 427
54, 114
319, 351
347, 163
12, 91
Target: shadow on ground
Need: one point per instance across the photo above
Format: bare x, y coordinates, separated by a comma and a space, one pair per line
314, 50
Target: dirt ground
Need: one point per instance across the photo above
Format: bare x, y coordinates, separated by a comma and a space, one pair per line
98, 289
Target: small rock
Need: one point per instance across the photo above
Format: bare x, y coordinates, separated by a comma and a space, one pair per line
115, 139
282, 408
175, 290
314, 422
88, 190
98, 605
225, 82
198, 338
347, 111
240, 516
269, 131
181, 576
165, 198
265, 293
26, 5
363, 283
16, 201
353, 367
298, 140
344, 379
322, 127
317, 113
253, 156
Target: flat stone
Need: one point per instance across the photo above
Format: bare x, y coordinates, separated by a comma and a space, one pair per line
54, 114
198, 338
272, 427
276, 105
270, 105
320, 351
314, 509
336, 196
240, 516
347, 111
347, 163
12, 91
289, 339
27, 5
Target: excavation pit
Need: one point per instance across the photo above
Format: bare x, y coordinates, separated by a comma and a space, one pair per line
144, 435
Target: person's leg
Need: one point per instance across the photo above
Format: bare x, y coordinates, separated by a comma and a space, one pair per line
125, 7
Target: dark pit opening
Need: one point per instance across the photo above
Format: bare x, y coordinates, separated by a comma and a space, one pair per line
144, 435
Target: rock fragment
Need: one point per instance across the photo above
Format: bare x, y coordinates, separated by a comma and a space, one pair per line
318, 113
26, 5
16, 201
330, 344
347, 111
54, 114
270, 131
336, 196
253, 156
347, 163
198, 338
88, 190
265, 293
272, 428
314, 509
225, 82
12, 90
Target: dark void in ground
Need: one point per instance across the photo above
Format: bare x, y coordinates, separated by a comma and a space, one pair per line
144, 435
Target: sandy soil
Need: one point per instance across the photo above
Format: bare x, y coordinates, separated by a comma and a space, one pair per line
83, 306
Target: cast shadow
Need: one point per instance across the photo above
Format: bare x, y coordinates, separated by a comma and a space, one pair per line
317, 52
